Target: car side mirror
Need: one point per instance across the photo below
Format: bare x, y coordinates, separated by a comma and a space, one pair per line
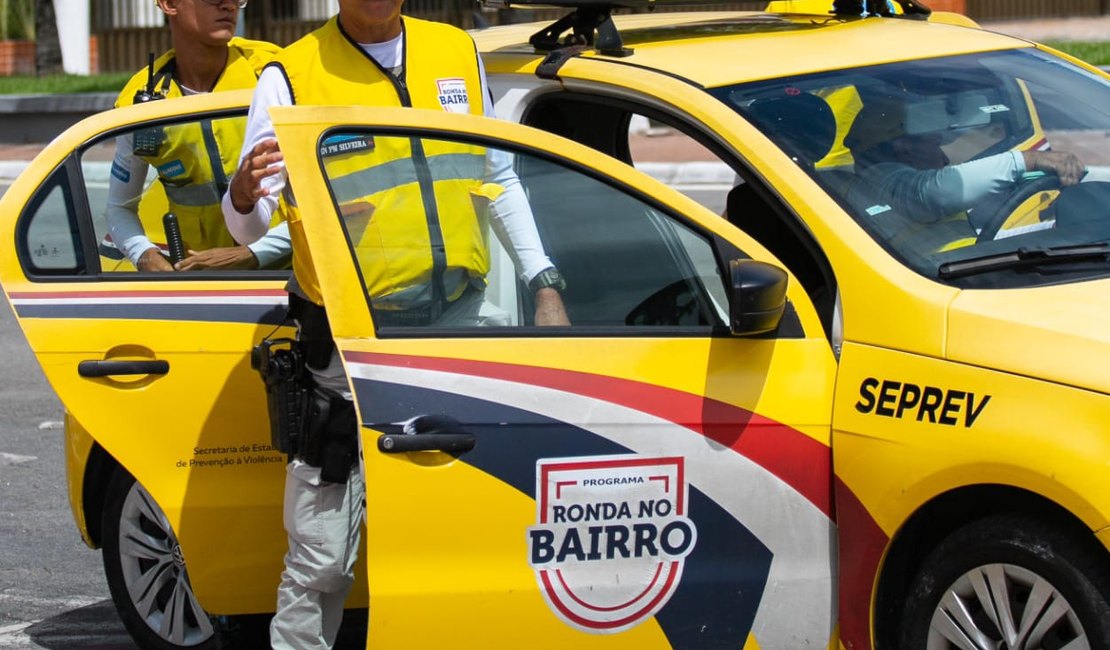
757, 298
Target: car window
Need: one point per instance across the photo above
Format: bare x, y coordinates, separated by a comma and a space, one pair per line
680, 161
675, 153
48, 237
927, 156
136, 177
627, 263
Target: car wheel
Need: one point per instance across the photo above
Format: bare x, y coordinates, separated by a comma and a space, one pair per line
146, 573
1010, 583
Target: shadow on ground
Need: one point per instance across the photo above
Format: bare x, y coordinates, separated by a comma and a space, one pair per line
98, 627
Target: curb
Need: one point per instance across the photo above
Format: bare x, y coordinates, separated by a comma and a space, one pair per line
10, 169
39, 118
72, 103
95, 173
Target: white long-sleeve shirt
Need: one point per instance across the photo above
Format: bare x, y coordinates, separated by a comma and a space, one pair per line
510, 214
928, 195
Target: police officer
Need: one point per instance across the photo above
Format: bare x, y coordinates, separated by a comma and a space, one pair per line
386, 60
194, 159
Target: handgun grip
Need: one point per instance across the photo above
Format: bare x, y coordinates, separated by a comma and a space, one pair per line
173, 237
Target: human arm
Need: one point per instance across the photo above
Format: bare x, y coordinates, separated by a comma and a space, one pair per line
1065, 165
125, 190
511, 218
515, 226
262, 253
252, 196
928, 195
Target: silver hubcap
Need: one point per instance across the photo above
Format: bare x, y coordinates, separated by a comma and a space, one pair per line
154, 571
1005, 607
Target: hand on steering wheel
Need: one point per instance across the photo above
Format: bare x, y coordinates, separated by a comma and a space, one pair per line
1020, 193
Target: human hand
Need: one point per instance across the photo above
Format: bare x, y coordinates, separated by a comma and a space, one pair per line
246, 187
230, 257
549, 308
152, 259
1063, 164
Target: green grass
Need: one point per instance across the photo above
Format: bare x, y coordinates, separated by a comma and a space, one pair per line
1093, 52
64, 84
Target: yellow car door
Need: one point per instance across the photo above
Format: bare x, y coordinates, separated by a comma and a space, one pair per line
154, 373
656, 474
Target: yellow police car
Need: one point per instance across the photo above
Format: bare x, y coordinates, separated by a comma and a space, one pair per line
848, 389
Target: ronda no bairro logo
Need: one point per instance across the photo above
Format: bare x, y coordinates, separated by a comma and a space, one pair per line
611, 538
452, 95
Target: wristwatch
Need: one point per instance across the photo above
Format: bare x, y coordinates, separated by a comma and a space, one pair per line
549, 277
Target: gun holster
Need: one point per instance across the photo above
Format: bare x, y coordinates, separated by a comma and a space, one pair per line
331, 435
280, 362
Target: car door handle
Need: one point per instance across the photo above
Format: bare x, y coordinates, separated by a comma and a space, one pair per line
427, 433
399, 443
100, 368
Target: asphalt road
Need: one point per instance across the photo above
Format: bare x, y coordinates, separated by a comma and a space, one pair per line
52, 589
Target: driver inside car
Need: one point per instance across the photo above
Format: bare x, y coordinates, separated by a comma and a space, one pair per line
901, 165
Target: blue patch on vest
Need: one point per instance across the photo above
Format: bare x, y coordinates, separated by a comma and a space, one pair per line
171, 169
121, 173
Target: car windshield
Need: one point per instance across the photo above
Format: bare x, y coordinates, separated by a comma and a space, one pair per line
957, 158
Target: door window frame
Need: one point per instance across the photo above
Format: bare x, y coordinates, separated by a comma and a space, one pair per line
795, 226
723, 250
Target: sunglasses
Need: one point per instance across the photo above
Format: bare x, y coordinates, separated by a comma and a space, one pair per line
216, 3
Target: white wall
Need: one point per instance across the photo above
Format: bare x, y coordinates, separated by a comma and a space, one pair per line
318, 9
73, 34
135, 13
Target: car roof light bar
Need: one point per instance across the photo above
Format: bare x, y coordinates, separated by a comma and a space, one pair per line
910, 8
591, 22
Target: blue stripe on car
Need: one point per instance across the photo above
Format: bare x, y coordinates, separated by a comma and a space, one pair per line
262, 314
726, 573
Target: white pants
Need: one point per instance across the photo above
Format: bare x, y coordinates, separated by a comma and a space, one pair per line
323, 522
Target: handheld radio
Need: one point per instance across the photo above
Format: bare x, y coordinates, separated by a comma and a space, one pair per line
148, 141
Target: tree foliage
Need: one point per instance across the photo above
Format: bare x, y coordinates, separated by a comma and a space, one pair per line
17, 19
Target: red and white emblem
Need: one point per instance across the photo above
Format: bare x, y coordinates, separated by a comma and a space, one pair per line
452, 95
611, 537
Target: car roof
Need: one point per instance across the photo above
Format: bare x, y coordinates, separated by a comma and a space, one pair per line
721, 48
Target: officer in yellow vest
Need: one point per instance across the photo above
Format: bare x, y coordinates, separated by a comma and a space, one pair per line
387, 61
194, 159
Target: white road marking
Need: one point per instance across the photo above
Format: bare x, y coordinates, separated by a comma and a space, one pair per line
51, 424
16, 636
15, 459
7, 630
53, 603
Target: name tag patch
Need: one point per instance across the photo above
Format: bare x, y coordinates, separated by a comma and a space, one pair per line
120, 172
344, 144
452, 95
171, 169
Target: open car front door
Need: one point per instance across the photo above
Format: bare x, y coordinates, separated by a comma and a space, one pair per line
643, 477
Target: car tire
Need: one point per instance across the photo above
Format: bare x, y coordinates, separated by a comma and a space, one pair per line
146, 573
975, 589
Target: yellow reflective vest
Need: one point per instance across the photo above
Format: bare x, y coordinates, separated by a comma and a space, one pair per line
194, 160
409, 203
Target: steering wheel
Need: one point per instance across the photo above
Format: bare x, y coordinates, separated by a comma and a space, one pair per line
1006, 206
